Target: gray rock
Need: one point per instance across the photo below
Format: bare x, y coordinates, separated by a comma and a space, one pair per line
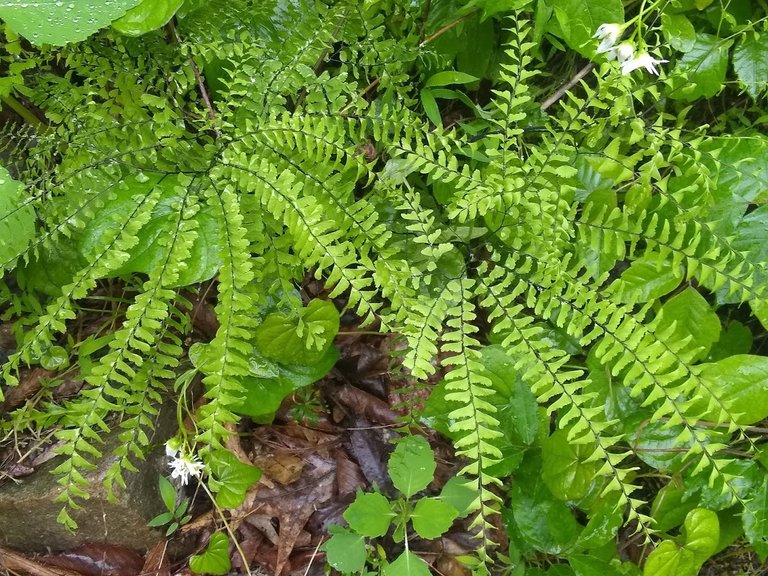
28, 507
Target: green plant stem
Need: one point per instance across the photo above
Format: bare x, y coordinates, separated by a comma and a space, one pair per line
24, 112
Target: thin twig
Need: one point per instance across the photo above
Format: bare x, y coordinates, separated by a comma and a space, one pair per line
447, 27
200, 83
571, 83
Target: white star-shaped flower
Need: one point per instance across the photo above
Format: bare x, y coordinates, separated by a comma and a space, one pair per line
642, 60
183, 465
608, 34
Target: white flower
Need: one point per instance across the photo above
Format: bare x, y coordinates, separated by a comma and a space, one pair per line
624, 51
183, 465
608, 34
642, 60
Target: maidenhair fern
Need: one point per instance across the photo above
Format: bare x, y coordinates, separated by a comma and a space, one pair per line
232, 146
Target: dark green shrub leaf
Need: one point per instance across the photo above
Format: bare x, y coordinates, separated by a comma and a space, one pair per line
17, 220
215, 557
693, 318
147, 16
755, 520
579, 19
432, 517
678, 31
735, 339
167, 493
646, 280
412, 465
564, 466
370, 514
701, 70
750, 62
741, 383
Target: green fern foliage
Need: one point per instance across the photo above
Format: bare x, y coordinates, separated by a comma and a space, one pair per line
237, 152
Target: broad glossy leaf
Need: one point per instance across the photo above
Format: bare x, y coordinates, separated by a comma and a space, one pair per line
755, 520
17, 219
604, 523
407, 564
741, 383
693, 318
702, 533
215, 557
668, 559
701, 70
657, 446
302, 340
544, 522
750, 62
579, 19
147, 16
585, 565
60, 22
460, 493
735, 339
412, 465
230, 479
678, 31
345, 550
644, 280
370, 514
670, 506
564, 466
432, 518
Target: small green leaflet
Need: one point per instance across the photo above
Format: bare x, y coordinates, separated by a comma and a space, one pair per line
432, 518
215, 557
61, 22
345, 550
230, 479
412, 465
370, 514
407, 564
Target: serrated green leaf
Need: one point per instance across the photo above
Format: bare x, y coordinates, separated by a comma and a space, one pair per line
215, 557
370, 514
701, 70
58, 23
750, 62
755, 520
412, 465
345, 550
432, 518
230, 479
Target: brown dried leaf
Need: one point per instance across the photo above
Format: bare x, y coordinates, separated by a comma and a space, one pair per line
97, 560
